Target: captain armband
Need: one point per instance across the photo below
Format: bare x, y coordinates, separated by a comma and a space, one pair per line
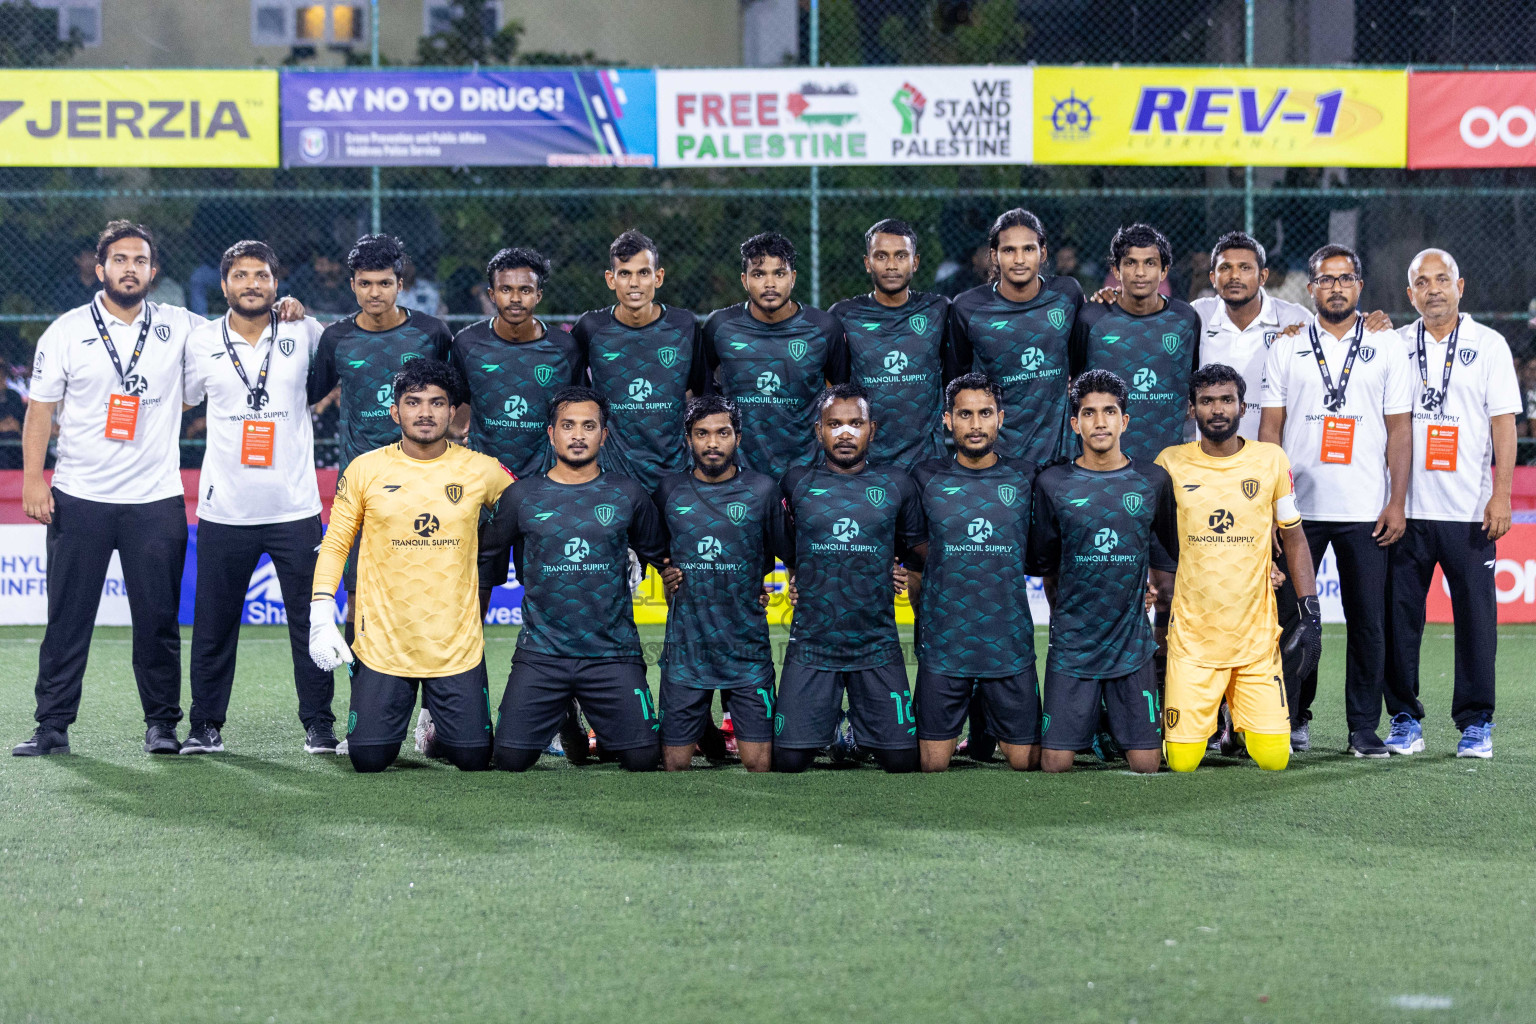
1286, 512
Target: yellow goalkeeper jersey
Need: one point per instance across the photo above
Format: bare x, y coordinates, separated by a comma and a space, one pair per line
1223, 605
418, 608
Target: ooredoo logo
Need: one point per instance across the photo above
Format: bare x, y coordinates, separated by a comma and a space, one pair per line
1472, 119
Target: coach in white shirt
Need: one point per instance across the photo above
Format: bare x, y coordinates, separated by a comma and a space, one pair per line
1242, 320
1338, 396
257, 493
1463, 422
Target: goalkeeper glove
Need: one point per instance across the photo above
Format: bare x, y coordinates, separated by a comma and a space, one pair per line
327, 649
1302, 652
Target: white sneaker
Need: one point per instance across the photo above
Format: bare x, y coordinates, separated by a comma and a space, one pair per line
426, 732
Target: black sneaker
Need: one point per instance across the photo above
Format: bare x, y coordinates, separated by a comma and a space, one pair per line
1365, 743
46, 740
573, 736
320, 739
712, 745
202, 739
160, 738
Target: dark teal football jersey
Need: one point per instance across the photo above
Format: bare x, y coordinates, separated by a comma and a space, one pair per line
1155, 356
509, 388
974, 605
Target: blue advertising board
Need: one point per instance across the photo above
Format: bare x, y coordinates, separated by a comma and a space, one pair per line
585, 117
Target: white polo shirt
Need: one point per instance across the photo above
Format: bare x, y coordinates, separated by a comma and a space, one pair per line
1452, 481
1381, 384
1245, 350
72, 367
233, 489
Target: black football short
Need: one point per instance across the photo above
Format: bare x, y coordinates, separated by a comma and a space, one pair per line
613, 694
685, 712
1011, 706
382, 704
811, 699
1072, 706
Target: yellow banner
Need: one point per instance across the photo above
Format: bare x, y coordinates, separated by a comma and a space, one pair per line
138, 118
1220, 116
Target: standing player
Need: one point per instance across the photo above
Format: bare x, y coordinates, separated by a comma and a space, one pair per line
1100, 523
771, 354
416, 505
645, 360
1016, 331
363, 353
513, 363
726, 526
850, 520
893, 347
1222, 641
569, 530
977, 637
1464, 419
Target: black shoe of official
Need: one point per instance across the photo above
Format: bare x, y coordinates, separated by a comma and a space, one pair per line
320, 739
202, 739
46, 740
1365, 743
160, 738
573, 737
712, 745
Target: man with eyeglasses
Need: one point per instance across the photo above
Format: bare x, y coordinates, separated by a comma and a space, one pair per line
1339, 398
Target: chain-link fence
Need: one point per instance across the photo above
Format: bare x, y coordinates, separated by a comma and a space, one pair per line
453, 219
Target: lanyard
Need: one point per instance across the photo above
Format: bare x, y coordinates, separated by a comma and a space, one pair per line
257, 396
131, 385
1333, 398
1431, 398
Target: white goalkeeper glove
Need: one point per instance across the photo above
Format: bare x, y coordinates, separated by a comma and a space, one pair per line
327, 649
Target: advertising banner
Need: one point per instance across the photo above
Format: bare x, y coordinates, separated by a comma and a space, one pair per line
59, 118
1220, 116
395, 118
802, 116
1472, 119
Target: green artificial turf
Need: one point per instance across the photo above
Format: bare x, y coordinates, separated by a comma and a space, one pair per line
268, 885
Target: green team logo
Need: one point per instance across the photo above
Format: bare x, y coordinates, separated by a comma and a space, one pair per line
357, 364
1045, 724
979, 530
845, 530
778, 724
739, 346
683, 510
1105, 541
876, 495
1145, 379
768, 382
1132, 502
668, 356
998, 325
918, 322
351, 723
1007, 494
1170, 343
797, 349
953, 490
710, 548
895, 361
577, 550
1110, 339
489, 367
870, 327
385, 394
640, 389
737, 511
406, 357
515, 407
1032, 359
604, 514
1079, 502
1058, 318
543, 373
542, 516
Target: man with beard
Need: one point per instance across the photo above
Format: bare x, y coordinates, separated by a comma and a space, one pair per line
726, 527
1339, 398
850, 520
257, 493
1222, 642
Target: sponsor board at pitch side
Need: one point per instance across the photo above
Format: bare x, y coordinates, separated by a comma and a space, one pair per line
1472, 119
746, 117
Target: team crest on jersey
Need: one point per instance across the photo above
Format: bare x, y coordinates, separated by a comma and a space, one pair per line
737, 511
1170, 717
1269, 337
668, 356
1007, 494
604, 514
918, 322
341, 485
1170, 343
455, 492
1250, 488
1466, 356
408, 356
876, 495
285, 346
797, 349
543, 373
1058, 318
163, 332
1367, 352
1132, 502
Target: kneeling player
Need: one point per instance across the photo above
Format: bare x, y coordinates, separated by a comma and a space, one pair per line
726, 527
570, 531
1222, 638
416, 505
977, 636
848, 520
1100, 523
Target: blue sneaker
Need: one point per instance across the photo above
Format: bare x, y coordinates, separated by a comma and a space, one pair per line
1407, 735
1106, 749
1476, 740
844, 748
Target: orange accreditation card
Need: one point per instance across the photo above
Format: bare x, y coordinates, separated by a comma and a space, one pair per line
1338, 440
256, 442
1440, 449
122, 417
